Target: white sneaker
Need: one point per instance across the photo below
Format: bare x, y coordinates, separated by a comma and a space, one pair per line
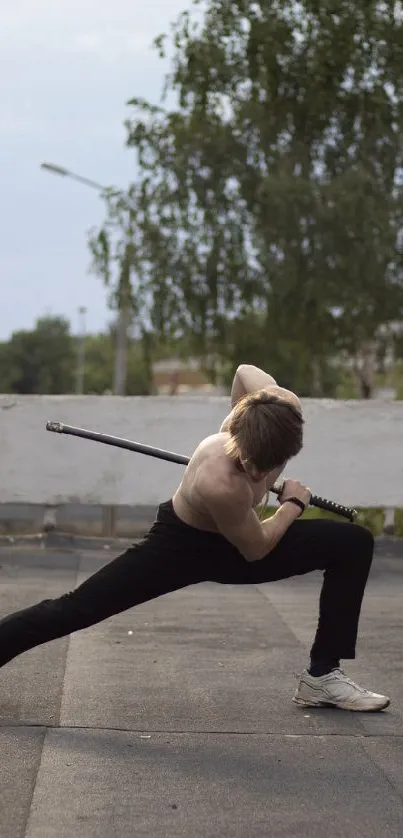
336, 690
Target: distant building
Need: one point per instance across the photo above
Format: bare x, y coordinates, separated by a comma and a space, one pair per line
176, 377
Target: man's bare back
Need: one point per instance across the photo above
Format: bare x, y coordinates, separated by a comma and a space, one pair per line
210, 465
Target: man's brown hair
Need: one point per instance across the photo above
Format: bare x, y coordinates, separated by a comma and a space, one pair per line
265, 431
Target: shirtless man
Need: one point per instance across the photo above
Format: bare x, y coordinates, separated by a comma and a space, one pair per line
210, 531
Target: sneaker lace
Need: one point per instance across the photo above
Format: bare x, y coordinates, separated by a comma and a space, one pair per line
351, 682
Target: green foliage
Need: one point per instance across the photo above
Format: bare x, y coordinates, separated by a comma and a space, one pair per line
39, 361
44, 360
272, 187
397, 379
373, 518
347, 386
253, 339
99, 367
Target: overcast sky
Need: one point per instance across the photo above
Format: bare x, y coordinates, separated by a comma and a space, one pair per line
67, 69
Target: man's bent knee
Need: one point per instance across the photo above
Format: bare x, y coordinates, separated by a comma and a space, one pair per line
363, 541
363, 535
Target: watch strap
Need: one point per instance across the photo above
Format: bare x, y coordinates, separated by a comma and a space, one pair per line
297, 502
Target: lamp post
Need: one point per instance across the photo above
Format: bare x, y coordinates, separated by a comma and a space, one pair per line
60, 170
120, 366
81, 352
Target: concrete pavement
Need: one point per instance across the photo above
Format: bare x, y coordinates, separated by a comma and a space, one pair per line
174, 720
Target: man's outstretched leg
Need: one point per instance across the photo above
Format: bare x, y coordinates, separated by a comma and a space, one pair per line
163, 561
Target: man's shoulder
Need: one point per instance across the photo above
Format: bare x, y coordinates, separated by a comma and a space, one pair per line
218, 488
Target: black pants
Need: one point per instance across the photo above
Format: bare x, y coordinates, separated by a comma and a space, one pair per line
174, 555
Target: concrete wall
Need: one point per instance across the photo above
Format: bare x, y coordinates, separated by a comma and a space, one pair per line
353, 451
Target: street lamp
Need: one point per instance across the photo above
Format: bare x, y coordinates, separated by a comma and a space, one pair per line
81, 352
120, 369
60, 170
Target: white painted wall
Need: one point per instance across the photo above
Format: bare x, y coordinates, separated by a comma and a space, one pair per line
353, 451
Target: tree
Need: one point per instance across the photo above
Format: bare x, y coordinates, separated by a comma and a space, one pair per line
44, 360
289, 361
273, 185
116, 259
39, 361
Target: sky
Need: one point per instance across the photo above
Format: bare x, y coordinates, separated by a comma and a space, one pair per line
67, 70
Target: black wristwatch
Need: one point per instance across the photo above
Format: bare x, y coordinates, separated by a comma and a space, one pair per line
297, 502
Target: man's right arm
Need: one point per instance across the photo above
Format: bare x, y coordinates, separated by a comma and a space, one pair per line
249, 379
240, 525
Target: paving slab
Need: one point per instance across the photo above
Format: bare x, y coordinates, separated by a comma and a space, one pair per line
174, 719
20, 757
176, 786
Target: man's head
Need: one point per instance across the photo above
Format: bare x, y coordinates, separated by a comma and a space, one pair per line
265, 430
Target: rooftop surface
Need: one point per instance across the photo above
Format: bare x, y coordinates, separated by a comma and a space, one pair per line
175, 719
